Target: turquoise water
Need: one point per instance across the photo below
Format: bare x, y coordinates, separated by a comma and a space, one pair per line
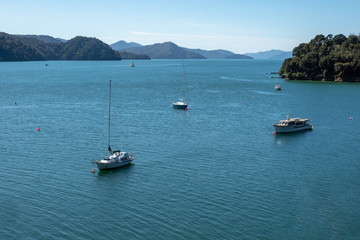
215, 171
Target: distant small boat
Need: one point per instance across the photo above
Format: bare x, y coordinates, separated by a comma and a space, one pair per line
132, 64
118, 158
277, 87
46, 65
292, 125
181, 104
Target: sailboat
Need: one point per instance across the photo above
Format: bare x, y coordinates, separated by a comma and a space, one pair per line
182, 103
117, 158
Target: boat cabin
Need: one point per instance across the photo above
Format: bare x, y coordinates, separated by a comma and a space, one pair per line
120, 155
294, 122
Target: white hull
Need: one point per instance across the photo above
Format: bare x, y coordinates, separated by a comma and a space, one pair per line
288, 129
180, 105
105, 164
118, 159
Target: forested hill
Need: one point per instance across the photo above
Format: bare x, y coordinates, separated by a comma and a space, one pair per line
167, 50
44, 38
14, 48
83, 48
20, 48
330, 58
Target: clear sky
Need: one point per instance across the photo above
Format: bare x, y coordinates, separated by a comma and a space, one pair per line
241, 26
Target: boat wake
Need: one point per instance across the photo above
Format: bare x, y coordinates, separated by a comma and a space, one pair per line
235, 79
264, 92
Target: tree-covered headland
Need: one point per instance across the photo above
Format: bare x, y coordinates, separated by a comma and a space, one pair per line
330, 58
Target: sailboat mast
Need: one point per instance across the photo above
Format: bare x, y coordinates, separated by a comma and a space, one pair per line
109, 114
184, 78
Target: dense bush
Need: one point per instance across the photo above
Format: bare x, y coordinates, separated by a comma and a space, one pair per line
325, 58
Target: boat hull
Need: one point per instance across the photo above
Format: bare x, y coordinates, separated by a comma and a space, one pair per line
180, 106
104, 165
289, 129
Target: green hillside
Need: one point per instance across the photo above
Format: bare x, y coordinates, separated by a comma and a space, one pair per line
167, 50
20, 48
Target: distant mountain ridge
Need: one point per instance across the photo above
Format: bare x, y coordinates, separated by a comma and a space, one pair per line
122, 45
212, 54
39, 48
131, 56
238, 56
167, 50
44, 38
44, 47
170, 50
160, 51
27, 48
271, 55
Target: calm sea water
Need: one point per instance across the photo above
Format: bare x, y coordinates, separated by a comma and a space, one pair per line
215, 171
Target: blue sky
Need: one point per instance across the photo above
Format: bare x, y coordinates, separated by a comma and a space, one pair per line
239, 26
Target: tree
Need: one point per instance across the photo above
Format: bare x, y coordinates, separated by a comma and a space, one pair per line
325, 58
339, 39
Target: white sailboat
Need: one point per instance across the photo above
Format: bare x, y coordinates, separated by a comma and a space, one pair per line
182, 103
117, 158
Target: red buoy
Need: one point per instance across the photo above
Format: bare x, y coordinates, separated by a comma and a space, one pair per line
186, 109
93, 170
274, 133
38, 129
350, 118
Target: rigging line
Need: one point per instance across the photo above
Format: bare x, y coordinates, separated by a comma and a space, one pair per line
109, 115
184, 79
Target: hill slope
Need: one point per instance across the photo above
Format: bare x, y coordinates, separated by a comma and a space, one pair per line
44, 38
20, 48
13, 48
167, 50
272, 54
84, 48
238, 56
211, 54
131, 56
122, 45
